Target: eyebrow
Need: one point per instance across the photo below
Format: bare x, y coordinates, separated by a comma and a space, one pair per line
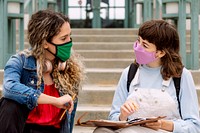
145, 43
66, 35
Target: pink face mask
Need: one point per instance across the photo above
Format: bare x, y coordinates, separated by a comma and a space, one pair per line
142, 56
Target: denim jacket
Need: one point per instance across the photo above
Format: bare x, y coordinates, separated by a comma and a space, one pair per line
20, 84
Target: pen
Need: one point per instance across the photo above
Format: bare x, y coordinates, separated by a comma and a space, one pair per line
73, 98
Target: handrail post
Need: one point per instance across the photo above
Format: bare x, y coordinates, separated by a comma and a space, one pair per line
10, 11
147, 10
194, 34
96, 21
2, 16
182, 28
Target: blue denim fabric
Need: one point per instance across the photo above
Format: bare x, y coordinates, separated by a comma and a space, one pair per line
20, 80
72, 115
20, 84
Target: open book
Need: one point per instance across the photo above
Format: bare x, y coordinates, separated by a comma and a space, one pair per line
117, 124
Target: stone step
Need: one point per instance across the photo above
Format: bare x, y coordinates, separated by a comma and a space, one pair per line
102, 31
109, 76
107, 63
100, 45
98, 38
110, 54
104, 38
103, 45
107, 54
109, 46
100, 95
101, 76
198, 93
79, 34
93, 112
90, 31
1, 76
104, 35
103, 95
96, 45
109, 38
96, 94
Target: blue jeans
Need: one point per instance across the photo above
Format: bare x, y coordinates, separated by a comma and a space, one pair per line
71, 117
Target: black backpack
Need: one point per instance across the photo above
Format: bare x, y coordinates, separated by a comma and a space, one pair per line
131, 74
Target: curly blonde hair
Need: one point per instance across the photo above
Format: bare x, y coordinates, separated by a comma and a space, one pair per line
69, 80
42, 27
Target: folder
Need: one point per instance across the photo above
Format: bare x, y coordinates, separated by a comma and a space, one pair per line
116, 124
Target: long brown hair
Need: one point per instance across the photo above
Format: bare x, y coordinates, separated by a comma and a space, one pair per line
42, 27
166, 38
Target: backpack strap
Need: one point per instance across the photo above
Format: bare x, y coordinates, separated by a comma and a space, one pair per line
131, 74
177, 82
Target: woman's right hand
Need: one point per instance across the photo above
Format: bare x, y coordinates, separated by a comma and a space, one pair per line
128, 108
65, 102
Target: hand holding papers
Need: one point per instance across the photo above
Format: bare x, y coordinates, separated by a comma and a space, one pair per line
117, 124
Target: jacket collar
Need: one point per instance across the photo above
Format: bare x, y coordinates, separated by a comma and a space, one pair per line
30, 63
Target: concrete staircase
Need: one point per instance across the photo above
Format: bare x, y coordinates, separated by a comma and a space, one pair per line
106, 53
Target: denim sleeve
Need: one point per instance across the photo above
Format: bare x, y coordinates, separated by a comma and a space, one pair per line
13, 88
190, 122
120, 96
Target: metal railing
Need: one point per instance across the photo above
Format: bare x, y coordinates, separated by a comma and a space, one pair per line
142, 9
31, 6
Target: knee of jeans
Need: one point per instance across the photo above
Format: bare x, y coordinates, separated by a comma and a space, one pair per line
103, 130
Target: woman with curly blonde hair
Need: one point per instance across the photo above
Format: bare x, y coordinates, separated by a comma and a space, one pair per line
42, 83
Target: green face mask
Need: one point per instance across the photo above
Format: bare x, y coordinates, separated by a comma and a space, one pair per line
63, 51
